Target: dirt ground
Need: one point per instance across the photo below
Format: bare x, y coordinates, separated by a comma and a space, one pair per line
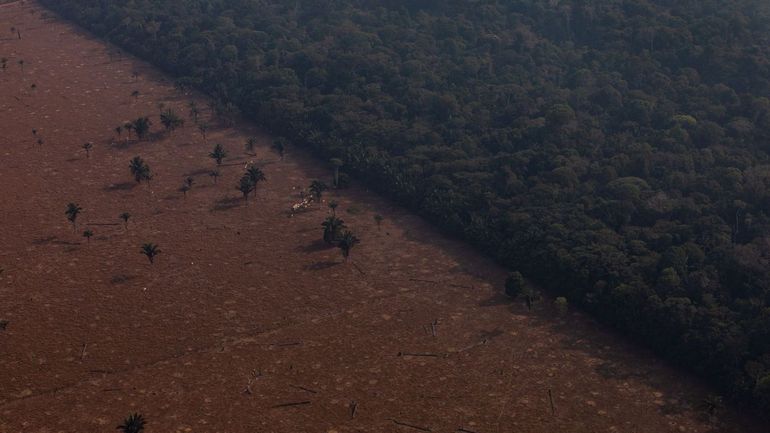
247, 322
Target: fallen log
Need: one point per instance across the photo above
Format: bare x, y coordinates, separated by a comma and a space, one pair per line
298, 403
404, 424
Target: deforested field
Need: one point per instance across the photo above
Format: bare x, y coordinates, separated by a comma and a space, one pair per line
247, 321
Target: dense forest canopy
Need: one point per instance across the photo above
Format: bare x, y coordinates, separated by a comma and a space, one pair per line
615, 151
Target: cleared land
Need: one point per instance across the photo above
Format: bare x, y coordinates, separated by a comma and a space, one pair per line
247, 322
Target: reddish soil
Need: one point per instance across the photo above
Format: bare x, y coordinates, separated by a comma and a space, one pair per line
245, 309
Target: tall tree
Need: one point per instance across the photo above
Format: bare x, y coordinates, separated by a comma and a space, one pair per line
245, 186
218, 154
142, 126
125, 216
87, 147
256, 175
72, 212
332, 229
170, 120
133, 423
150, 250
251, 142
317, 189
346, 243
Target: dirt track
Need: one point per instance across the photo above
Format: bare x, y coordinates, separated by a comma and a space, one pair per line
245, 310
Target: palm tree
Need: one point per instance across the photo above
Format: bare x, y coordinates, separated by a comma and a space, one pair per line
4, 63
129, 127
34, 132
245, 186
218, 154
87, 147
256, 175
333, 226
346, 243
194, 111
142, 126
336, 163
118, 130
150, 250
279, 146
333, 206
135, 94
87, 234
317, 188
203, 128
125, 217
139, 169
215, 175
171, 120
39, 141
72, 212
21, 63
186, 186
250, 143
378, 219
133, 424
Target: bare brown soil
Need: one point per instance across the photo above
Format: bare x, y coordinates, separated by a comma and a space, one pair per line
247, 322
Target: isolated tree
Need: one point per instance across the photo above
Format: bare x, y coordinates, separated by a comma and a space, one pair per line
218, 154
4, 63
21, 63
245, 186
514, 284
134, 423
119, 131
135, 94
336, 163
333, 227
279, 146
34, 132
72, 212
378, 219
171, 120
250, 144
333, 206
142, 126
346, 243
87, 234
87, 147
125, 216
194, 111
186, 186
215, 175
317, 188
138, 168
256, 175
203, 128
150, 250
40, 141
129, 127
